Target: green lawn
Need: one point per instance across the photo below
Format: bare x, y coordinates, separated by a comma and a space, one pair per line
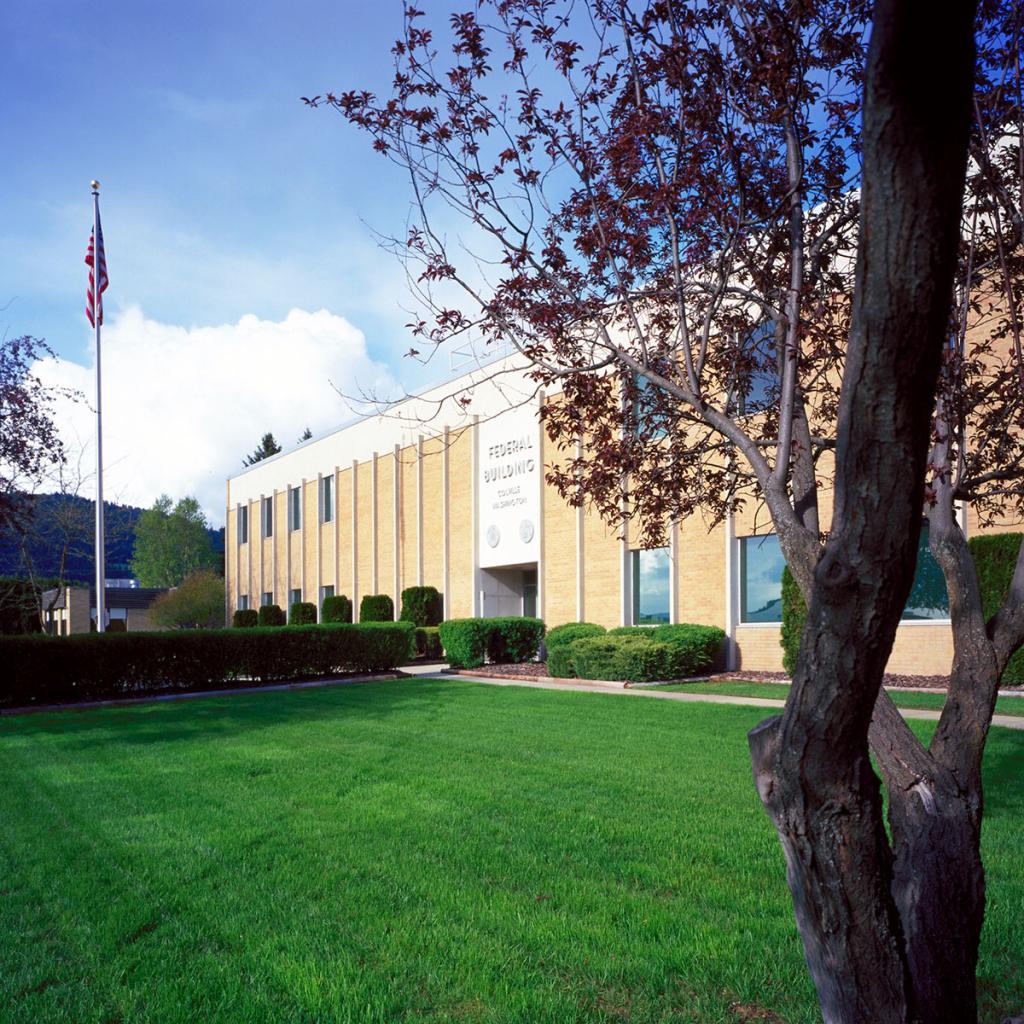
779, 691
415, 851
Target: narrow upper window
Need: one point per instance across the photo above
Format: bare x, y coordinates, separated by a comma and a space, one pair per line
268, 517
327, 498
295, 507
243, 524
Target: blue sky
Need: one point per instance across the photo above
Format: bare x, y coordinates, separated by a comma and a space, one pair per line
223, 197
222, 194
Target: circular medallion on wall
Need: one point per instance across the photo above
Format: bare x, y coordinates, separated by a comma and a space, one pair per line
493, 536
526, 531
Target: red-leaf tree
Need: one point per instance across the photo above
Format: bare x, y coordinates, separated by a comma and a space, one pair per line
29, 442
736, 239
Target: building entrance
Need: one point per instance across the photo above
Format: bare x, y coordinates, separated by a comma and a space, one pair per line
508, 590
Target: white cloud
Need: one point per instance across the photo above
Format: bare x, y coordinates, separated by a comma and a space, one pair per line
182, 406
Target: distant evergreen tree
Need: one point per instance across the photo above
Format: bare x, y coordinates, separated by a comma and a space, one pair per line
306, 435
267, 447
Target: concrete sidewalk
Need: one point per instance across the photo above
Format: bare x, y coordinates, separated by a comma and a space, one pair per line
1005, 721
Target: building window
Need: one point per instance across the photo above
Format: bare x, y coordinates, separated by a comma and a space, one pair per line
243, 602
928, 597
650, 587
268, 517
327, 498
325, 592
295, 508
647, 423
268, 598
758, 387
243, 524
761, 565
294, 597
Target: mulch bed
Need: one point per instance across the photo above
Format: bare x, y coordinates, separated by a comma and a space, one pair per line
536, 669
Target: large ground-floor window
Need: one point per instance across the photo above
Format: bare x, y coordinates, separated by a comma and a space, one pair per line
761, 565
650, 587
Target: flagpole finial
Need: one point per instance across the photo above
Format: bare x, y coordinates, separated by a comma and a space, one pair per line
95, 185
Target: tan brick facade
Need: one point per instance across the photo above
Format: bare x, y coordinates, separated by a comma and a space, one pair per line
405, 511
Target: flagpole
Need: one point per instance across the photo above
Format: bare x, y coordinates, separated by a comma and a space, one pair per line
101, 579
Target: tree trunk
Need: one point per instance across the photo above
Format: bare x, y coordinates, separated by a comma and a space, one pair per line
812, 765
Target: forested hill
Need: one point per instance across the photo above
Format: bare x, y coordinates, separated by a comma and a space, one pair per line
60, 516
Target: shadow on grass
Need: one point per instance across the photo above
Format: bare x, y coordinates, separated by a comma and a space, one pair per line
225, 716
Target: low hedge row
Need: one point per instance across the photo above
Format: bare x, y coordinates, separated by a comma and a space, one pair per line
638, 654
51, 670
510, 639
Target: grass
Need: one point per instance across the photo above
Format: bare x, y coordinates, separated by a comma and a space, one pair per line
779, 691
415, 851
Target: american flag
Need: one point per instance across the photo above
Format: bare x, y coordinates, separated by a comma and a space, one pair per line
94, 301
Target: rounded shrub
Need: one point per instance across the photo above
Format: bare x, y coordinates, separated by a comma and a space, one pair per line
245, 618
303, 613
558, 642
376, 608
633, 659
695, 649
337, 608
271, 615
464, 642
423, 606
513, 639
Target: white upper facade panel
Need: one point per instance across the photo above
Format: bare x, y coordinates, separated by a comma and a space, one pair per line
485, 392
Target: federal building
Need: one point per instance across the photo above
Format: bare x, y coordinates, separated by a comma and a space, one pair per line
447, 488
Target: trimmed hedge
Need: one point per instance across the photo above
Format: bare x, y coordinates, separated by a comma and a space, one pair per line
428, 642
272, 615
376, 608
303, 613
636, 659
464, 642
422, 605
513, 639
558, 643
47, 670
672, 652
336, 609
995, 557
503, 640
794, 617
695, 649
245, 618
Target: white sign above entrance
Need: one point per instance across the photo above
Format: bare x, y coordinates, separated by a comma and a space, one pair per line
508, 488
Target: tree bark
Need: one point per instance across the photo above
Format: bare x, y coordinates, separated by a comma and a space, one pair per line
812, 765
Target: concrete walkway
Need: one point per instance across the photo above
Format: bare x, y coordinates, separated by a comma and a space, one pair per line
1006, 721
